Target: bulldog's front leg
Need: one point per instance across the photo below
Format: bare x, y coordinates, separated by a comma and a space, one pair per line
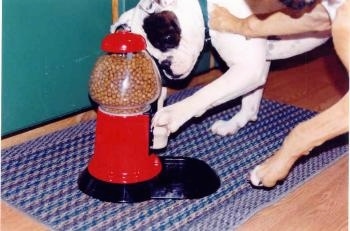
248, 112
174, 116
301, 140
239, 80
168, 119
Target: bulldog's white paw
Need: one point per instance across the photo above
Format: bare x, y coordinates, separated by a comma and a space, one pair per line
232, 126
160, 137
167, 118
172, 117
224, 128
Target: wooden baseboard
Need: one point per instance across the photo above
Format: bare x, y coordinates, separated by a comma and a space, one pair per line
47, 129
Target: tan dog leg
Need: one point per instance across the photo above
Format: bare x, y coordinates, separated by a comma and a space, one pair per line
278, 23
326, 125
301, 140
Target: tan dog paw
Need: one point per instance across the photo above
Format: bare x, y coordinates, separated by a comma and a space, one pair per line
271, 171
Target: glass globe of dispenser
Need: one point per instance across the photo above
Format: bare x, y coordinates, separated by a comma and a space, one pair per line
125, 80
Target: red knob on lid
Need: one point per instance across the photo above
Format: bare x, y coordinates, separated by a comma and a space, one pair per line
123, 42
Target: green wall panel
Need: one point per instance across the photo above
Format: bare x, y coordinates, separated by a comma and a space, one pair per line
125, 5
48, 50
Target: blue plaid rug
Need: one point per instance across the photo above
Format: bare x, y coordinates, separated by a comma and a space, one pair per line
40, 177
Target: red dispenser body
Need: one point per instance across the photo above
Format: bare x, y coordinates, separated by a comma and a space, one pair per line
121, 152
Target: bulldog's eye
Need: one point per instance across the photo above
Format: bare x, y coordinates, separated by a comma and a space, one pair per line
150, 7
171, 39
168, 38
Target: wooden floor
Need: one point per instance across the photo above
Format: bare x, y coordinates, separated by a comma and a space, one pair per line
312, 81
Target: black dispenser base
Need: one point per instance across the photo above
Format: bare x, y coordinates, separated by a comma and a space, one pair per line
180, 178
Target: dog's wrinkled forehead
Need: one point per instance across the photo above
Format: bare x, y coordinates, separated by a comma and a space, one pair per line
297, 4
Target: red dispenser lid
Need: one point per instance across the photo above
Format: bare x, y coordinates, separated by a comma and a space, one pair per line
123, 42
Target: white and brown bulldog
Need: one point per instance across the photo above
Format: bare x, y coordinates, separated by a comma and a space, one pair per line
175, 33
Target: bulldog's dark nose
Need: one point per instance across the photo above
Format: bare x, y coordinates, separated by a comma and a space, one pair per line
165, 64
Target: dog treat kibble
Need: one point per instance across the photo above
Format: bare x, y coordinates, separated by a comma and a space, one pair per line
124, 83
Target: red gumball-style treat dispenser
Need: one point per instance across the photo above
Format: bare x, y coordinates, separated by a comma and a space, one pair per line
124, 83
